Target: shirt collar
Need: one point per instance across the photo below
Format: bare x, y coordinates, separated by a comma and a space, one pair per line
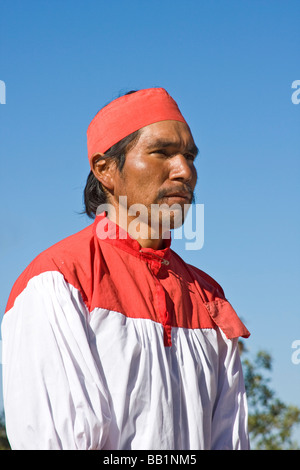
108, 231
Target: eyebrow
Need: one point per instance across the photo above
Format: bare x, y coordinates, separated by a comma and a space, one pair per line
163, 143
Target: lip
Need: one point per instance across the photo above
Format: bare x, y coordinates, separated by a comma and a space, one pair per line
184, 196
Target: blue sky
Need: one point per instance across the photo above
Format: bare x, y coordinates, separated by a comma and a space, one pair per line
230, 66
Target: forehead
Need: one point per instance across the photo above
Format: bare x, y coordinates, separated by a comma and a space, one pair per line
169, 132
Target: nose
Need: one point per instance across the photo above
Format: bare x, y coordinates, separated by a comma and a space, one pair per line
182, 169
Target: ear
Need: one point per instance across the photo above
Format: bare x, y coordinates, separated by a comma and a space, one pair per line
104, 170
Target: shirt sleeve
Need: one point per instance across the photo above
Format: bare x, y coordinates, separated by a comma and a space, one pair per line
54, 396
230, 414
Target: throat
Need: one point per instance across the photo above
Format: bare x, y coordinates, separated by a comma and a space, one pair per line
140, 227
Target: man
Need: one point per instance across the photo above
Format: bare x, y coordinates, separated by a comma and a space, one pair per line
110, 340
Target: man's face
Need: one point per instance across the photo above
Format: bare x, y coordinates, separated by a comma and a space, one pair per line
159, 168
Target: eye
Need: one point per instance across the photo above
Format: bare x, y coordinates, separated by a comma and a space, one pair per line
161, 152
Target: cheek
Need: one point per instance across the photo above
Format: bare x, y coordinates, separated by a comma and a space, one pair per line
143, 178
146, 175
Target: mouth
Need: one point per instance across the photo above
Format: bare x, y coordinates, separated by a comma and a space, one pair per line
178, 198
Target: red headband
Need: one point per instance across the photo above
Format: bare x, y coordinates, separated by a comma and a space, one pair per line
127, 114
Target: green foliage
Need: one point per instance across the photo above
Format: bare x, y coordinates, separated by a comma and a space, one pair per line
271, 422
4, 444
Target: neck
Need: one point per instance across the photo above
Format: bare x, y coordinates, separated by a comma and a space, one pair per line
138, 228
150, 243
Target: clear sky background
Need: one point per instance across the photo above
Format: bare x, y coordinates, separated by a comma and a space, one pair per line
230, 65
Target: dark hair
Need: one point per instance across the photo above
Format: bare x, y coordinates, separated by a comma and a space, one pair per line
94, 193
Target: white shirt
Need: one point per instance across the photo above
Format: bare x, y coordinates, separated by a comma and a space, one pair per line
110, 346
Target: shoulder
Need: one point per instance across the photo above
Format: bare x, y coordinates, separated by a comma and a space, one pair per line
205, 281
68, 257
216, 305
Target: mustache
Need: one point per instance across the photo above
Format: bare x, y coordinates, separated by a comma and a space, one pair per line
182, 189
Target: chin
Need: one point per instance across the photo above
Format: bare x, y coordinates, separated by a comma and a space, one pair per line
171, 218
176, 223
